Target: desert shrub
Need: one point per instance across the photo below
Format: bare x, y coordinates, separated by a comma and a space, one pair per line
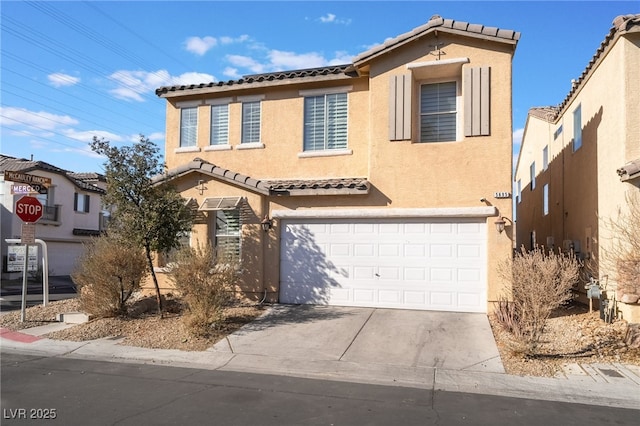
621, 257
541, 282
107, 274
205, 285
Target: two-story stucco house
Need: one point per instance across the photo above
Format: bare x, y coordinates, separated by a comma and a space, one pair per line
579, 160
378, 183
72, 212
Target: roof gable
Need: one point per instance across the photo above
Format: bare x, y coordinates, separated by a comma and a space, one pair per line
439, 24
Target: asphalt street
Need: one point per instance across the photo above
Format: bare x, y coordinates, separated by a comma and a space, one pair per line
42, 390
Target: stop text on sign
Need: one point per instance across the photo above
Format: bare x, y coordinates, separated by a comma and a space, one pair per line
29, 209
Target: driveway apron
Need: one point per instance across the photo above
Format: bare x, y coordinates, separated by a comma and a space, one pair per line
402, 338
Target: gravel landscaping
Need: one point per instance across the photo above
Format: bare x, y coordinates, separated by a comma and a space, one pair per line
572, 335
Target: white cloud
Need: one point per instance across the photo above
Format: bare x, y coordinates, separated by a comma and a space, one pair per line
199, 45
232, 73
87, 135
246, 62
517, 144
331, 18
134, 85
32, 120
281, 60
59, 79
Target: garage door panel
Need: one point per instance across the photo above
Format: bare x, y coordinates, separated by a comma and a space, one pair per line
417, 264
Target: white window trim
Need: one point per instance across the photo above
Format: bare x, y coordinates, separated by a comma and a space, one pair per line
187, 149
325, 153
453, 61
188, 104
252, 98
224, 147
327, 91
220, 101
250, 145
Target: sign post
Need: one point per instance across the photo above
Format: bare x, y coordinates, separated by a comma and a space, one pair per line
29, 210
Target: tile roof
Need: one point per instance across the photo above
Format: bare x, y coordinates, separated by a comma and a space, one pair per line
346, 70
437, 23
621, 25
23, 165
330, 186
350, 70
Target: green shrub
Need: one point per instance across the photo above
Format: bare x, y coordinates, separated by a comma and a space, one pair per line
205, 286
541, 282
107, 274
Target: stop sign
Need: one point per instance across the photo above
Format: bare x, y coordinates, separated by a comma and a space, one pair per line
29, 209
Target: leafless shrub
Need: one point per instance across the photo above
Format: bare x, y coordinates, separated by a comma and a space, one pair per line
621, 256
205, 286
107, 274
541, 282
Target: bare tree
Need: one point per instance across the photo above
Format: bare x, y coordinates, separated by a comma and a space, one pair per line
621, 255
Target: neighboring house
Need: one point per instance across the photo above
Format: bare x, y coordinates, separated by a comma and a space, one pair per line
382, 179
579, 160
73, 212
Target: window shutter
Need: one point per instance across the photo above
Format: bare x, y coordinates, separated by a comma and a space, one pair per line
400, 107
75, 201
477, 101
86, 203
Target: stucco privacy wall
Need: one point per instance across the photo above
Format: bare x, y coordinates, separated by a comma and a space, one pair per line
403, 175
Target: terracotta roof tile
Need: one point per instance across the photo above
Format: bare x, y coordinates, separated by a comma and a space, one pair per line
621, 24
330, 186
23, 165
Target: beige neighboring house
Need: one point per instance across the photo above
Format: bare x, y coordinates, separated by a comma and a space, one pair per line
72, 214
580, 160
379, 182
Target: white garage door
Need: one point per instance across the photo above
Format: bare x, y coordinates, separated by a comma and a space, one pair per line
437, 264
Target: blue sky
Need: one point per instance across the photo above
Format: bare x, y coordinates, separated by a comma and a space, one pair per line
72, 70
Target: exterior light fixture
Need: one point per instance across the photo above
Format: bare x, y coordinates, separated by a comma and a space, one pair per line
266, 224
500, 224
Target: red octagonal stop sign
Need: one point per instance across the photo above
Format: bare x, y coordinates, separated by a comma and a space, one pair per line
29, 209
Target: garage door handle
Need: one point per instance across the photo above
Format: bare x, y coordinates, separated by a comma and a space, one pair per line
377, 275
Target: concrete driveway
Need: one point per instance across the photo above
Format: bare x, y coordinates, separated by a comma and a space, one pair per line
368, 336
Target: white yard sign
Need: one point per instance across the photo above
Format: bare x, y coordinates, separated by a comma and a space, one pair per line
15, 258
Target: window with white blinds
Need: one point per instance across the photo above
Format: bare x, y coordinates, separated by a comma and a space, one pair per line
325, 122
228, 234
251, 122
438, 114
188, 126
219, 124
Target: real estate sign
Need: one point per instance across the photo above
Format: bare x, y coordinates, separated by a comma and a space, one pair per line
15, 258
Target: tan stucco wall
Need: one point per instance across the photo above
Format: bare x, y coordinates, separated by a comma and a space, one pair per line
402, 174
584, 188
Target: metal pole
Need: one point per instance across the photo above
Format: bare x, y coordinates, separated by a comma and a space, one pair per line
24, 283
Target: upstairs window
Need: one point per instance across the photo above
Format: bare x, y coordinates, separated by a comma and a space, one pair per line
545, 199
519, 191
188, 126
219, 124
545, 158
577, 128
81, 203
325, 122
532, 175
251, 122
438, 114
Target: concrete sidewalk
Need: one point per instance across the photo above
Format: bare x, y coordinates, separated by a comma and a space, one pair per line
363, 345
